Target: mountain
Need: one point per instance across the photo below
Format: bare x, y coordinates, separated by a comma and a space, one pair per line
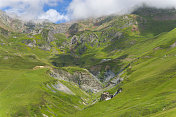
122, 66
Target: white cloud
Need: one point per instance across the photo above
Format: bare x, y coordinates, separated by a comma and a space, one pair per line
31, 9
79, 9
53, 16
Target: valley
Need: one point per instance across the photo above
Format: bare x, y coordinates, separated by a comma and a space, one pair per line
62, 70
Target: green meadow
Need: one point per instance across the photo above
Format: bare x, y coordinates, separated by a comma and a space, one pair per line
145, 57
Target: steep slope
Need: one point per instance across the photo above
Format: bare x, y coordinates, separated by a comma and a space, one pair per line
27, 89
156, 20
9, 23
148, 86
61, 69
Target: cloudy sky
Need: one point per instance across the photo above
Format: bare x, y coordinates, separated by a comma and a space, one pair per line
58, 11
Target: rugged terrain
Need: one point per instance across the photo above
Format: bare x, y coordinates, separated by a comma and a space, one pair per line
62, 69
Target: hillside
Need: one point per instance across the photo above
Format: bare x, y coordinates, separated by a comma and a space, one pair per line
59, 70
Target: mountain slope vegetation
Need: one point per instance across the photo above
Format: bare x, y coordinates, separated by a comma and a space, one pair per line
62, 69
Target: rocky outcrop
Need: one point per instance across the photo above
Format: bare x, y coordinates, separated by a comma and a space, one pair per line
74, 40
115, 81
45, 47
30, 43
107, 96
55, 29
109, 75
82, 42
103, 72
173, 45
61, 28
10, 24
60, 87
73, 29
84, 79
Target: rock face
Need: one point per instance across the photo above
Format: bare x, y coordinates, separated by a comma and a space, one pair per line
173, 45
9, 23
85, 80
103, 72
74, 40
109, 75
106, 96
60, 87
117, 92
30, 43
73, 29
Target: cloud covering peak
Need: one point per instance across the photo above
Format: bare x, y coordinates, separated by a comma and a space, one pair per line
75, 9
95, 8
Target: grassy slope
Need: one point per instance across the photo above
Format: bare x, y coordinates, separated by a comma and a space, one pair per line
148, 89
24, 91
20, 89
150, 86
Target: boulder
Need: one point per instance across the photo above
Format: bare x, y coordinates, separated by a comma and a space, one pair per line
74, 40
106, 96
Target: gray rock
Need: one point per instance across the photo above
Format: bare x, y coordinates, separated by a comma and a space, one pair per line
108, 75
106, 96
85, 79
74, 40
173, 45
60, 87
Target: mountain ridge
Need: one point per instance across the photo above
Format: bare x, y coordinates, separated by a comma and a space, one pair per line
89, 58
